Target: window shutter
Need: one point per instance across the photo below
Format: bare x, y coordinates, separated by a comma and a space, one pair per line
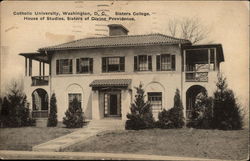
122, 64
149, 62
158, 62
77, 66
104, 64
135, 63
173, 62
57, 67
70, 66
91, 65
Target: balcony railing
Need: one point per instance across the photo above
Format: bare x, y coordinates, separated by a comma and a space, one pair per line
40, 80
195, 76
40, 114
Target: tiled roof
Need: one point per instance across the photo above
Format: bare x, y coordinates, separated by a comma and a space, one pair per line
110, 82
118, 41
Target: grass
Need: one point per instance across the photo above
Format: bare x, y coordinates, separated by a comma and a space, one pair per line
25, 137
214, 144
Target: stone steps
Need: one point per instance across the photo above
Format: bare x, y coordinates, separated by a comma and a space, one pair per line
41, 122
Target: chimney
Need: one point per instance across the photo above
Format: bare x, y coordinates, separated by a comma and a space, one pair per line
117, 29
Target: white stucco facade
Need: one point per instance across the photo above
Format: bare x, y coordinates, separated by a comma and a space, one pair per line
97, 102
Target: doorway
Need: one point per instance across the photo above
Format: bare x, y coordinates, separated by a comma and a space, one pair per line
112, 104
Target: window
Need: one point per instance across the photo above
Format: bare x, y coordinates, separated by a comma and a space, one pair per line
64, 66
165, 62
84, 65
113, 64
143, 63
77, 96
155, 98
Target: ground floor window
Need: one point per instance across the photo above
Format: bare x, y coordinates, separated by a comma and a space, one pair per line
155, 98
77, 96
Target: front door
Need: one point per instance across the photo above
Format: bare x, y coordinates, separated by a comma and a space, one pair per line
113, 104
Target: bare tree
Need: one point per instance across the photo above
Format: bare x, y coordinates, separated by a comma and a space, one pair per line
188, 28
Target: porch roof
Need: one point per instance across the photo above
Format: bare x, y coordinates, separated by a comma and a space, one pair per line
110, 83
205, 46
36, 56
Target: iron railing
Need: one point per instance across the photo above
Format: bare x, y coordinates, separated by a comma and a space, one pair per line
40, 80
195, 76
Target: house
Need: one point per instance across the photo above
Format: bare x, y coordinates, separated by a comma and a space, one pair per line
101, 72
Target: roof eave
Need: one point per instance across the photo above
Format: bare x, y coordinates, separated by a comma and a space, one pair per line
108, 46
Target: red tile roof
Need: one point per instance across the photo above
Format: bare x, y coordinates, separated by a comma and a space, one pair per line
110, 82
118, 41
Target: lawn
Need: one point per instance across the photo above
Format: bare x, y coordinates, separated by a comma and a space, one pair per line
213, 144
26, 137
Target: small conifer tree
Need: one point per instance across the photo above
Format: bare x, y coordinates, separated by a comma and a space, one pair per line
172, 118
15, 108
52, 120
74, 115
226, 112
141, 116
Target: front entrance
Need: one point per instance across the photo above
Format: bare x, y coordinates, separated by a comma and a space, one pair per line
112, 104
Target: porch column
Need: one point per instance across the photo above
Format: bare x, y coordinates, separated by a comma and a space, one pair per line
30, 67
209, 59
95, 105
125, 103
215, 59
40, 68
26, 63
43, 68
184, 60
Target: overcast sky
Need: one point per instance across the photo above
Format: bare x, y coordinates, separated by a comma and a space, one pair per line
227, 21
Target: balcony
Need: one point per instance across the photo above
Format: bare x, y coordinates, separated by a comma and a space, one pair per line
40, 114
40, 80
193, 76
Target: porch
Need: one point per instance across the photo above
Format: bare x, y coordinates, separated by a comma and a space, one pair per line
37, 67
110, 98
199, 60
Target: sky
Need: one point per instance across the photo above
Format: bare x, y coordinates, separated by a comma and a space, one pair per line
227, 21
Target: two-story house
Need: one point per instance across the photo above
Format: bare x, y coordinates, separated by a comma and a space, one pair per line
101, 72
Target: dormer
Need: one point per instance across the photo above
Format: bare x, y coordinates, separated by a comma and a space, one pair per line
117, 30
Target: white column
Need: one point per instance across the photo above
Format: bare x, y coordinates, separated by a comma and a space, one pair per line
215, 59
125, 103
208, 59
184, 60
95, 105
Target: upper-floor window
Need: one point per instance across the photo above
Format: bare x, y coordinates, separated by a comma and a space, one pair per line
64, 66
113, 64
165, 62
84, 65
143, 63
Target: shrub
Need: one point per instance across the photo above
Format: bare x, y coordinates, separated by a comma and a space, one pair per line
52, 120
227, 112
202, 112
74, 115
15, 109
141, 116
173, 118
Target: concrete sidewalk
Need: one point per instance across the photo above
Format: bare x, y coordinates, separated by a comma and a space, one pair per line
88, 155
93, 128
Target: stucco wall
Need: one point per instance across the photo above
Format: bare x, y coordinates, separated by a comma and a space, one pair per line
168, 80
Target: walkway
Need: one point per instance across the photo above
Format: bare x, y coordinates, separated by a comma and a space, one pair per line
90, 156
93, 128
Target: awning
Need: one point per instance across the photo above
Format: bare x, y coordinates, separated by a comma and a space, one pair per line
112, 83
